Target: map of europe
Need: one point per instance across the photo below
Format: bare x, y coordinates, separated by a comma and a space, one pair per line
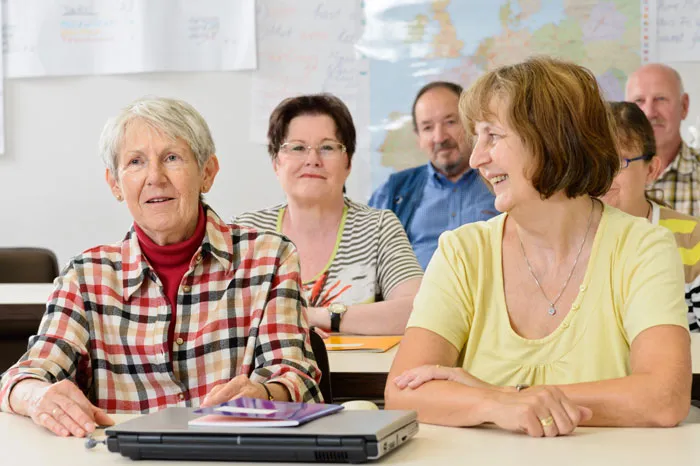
412, 42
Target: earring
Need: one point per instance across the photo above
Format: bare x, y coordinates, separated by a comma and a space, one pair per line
119, 197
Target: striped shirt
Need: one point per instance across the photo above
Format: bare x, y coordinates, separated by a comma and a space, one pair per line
679, 183
239, 311
687, 233
371, 257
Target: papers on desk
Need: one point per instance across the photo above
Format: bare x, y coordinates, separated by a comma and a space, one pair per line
253, 412
361, 343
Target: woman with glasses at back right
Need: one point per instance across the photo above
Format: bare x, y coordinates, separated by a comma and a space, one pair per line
639, 167
358, 270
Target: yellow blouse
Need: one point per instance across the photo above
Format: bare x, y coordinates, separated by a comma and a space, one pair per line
634, 280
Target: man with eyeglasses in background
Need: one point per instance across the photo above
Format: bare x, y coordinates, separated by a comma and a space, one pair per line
658, 90
445, 193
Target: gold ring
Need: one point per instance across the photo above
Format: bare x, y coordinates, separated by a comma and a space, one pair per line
54, 411
546, 422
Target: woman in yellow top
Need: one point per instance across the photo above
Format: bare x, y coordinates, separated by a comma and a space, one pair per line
561, 311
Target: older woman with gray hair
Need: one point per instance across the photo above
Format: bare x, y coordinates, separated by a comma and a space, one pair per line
184, 311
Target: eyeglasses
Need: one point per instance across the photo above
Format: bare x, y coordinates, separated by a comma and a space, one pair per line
625, 162
325, 150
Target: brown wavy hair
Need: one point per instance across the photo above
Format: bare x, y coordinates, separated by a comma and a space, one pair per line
557, 109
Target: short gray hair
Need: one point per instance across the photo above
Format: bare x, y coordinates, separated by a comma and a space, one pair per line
175, 118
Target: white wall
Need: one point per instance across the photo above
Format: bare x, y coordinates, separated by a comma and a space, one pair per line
52, 188
690, 72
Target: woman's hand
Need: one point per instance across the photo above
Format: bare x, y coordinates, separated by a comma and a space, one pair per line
322, 333
235, 388
61, 407
318, 317
414, 378
538, 411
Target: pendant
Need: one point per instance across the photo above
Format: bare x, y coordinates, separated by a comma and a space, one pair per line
552, 311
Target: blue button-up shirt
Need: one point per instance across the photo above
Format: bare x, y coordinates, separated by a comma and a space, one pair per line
445, 206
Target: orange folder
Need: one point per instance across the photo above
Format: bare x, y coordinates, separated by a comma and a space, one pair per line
369, 344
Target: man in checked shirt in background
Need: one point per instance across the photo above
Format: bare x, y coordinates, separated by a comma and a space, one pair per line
658, 90
184, 311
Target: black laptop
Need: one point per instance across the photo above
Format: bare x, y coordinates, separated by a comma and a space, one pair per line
344, 437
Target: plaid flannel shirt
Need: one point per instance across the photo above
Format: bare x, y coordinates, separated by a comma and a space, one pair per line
680, 182
239, 311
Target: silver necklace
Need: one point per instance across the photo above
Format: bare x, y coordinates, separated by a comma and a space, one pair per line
552, 309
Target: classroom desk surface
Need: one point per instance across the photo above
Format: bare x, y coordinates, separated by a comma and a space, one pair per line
349, 361
363, 375
22, 441
356, 375
356, 361
25, 293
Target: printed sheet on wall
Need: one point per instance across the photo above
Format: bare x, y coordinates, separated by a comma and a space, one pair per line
670, 31
308, 47
88, 37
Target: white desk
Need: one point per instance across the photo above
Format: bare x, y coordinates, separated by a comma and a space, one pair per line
25, 293
358, 375
349, 361
22, 442
356, 361
363, 375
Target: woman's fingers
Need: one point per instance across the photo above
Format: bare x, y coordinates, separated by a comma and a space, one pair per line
79, 409
586, 413
546, 411
236, 387
414, 378
572, 410
419, 379
546, 420
531, 424
209, 400
66, 420
102, 418
46, 420
561, 418
321, 332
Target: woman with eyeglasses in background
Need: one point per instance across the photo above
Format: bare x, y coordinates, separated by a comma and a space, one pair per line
358, 270
639, 167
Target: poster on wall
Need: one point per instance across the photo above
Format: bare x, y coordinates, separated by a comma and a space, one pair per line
304, 48
78, 37
307, 47
670, 31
